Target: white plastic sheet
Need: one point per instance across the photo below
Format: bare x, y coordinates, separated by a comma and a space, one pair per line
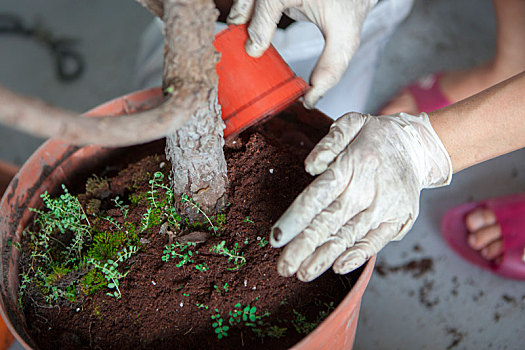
301, 45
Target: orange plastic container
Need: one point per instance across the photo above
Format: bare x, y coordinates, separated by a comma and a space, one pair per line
252, 89
56, 162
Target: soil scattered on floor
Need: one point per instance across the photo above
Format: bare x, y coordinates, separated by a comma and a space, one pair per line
457, 337
425, 295
417, 268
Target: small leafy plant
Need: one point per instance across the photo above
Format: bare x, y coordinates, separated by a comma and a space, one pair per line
224, 289
160, 205
247, 315
303, 326
187, 200
201, 306
71, 254
276, 331
180, 251
240, 316
183, 252
64, 214
234, 255
262, 242
110, 269
247, 219
218, 325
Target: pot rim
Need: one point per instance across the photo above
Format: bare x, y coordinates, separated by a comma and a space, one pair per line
124, 105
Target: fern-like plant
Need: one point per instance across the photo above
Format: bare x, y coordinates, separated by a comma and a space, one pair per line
110, 269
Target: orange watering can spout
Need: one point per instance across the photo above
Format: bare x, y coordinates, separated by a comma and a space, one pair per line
252, 89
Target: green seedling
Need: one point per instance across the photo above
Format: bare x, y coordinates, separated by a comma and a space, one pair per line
219, 220
120, 205
114, 222
303, 326
201, 306
218, 324
181, 251
110, 269
64, 214
17, 245
201, 267
276, 332
233, 254
273, 331
225, 288
248, 220
187, 200
161, 205
262, 242
247, 315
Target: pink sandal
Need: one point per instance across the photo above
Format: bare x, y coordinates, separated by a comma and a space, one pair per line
427, 93
510, 214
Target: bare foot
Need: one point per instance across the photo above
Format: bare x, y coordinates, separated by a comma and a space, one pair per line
455, 86
484, 234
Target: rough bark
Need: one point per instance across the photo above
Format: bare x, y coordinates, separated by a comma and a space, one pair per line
190, 78
155, 6
196, 149
38, 118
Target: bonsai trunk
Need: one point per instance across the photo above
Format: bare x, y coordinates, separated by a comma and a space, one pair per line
190, 83
195, 150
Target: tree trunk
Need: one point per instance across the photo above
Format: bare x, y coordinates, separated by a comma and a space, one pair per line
196, 149
190, 82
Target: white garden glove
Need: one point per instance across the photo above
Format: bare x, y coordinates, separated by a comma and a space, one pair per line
340, 21
372, 170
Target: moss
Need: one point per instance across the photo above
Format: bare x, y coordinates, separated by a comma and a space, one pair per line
58, 272
136, 198
93, 206
97, 187
92, 282
219, 220
106, 245
97, 313
132, 237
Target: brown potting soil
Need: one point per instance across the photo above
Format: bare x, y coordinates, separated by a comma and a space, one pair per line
168, 307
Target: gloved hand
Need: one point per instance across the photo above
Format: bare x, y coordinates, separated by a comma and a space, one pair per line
372, 170
340, 21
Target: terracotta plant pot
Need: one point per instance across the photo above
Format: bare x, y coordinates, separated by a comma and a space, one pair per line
56, 163
7, 171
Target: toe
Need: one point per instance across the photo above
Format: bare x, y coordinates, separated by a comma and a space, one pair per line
481, 238
493, 250
480, 218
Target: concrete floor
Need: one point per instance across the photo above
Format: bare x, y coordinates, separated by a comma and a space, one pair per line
452, 306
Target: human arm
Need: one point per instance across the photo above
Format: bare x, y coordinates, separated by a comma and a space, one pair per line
340, 21
485, 125
372, 170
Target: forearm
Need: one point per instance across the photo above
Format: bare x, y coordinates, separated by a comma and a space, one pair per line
485, 125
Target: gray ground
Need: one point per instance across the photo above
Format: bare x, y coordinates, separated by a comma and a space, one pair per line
454, 306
